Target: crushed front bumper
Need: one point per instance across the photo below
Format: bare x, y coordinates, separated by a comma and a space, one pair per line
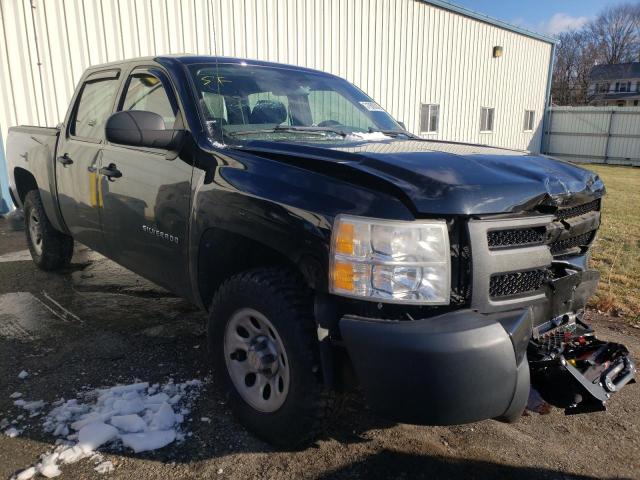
464, 366
459, 367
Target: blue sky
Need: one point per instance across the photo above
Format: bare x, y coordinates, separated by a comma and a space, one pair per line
544, 16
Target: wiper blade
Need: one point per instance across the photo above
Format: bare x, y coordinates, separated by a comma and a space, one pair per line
291, 128
301, 128
394, 133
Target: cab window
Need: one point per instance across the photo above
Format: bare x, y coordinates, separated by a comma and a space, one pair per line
146, 92
93, 108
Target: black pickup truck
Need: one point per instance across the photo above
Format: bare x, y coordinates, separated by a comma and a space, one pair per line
332, 249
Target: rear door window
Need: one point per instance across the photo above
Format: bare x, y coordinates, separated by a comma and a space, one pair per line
94, 107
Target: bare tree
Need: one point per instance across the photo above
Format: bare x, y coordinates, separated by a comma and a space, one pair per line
612, 37
576, 54
616, 31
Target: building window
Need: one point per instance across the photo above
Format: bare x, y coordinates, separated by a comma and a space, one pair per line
603, 87
623, 87
429, 118
529, 119
486, 119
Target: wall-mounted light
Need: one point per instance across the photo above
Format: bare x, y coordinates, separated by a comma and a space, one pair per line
497, 52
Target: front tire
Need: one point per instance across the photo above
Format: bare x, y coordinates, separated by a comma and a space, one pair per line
262, 341
50, 249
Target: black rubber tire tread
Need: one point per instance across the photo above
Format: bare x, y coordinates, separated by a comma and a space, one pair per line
57, 248
281, 296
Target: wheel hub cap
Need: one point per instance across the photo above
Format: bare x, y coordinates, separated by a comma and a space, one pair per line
256, 360
263, 356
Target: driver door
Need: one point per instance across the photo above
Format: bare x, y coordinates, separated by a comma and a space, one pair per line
147, 203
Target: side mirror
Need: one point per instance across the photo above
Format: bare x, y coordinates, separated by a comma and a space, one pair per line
139, 128
404, 127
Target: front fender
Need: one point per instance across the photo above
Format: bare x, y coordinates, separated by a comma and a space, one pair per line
286, 208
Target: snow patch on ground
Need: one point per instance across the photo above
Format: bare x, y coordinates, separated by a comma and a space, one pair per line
367, 136
32, 407
138, 416
104, 467
12, 432
27, 474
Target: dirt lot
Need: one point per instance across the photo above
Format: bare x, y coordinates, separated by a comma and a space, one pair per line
120, 328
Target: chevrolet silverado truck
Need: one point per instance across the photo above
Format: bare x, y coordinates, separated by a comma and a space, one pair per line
332, 249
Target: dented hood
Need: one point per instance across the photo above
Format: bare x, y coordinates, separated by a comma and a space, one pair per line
451, 178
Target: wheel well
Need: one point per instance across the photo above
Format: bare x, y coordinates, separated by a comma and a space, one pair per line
25, 182
223, 254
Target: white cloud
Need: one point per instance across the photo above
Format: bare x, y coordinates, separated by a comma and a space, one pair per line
561, 22
558, 23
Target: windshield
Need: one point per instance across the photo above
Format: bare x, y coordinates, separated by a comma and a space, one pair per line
243, 102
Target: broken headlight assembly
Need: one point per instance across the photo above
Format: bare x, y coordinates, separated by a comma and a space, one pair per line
391, 261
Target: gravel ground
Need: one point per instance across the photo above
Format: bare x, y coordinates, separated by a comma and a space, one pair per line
96, 324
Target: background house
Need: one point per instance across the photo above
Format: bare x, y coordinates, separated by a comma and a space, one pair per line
615, 85
447, 72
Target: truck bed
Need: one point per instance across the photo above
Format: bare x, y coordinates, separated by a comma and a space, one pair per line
28, 144
32, 150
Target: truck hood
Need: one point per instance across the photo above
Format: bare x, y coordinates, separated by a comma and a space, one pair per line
448, 178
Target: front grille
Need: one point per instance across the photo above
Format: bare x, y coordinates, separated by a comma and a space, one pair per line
516, 283
504, 274
515, 237
578, 210
573, 242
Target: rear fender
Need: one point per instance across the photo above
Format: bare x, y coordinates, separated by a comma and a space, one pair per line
31, 155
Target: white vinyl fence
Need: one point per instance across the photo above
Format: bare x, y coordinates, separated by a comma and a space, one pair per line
593, 134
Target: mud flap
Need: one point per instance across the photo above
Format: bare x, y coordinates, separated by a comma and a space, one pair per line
572, 369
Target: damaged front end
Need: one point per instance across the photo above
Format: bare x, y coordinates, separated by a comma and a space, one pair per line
515, 326
541, 263
572, 369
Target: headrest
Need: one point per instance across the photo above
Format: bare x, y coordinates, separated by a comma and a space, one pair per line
268, 111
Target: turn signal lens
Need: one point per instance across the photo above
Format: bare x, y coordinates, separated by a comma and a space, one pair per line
344, 238
343, 276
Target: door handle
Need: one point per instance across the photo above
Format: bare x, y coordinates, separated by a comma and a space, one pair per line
111, 172
65, 160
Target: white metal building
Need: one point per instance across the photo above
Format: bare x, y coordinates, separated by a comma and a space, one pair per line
446, 72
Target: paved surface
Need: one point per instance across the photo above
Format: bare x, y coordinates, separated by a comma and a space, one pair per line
96, 324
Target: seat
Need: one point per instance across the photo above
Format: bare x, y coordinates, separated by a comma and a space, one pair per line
268, 111
238, 112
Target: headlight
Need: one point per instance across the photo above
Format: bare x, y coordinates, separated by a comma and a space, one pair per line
395, 262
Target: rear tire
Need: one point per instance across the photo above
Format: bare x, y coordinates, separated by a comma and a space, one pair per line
269, 308
50, 249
